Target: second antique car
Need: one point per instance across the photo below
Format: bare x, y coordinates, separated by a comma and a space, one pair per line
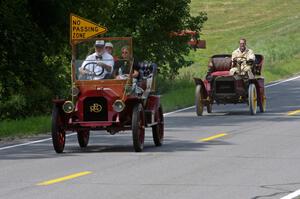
222, 88
111, 104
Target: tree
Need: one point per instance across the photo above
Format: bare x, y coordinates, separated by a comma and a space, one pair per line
35, 50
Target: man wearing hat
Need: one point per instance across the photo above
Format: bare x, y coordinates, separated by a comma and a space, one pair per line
98, 65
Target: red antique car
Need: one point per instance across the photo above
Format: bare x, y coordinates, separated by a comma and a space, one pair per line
222, 88
108, 104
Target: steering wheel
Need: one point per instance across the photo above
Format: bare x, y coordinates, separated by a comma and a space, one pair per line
241, 60
94, 65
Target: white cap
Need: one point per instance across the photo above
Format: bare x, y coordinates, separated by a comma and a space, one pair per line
99, 43
108, 44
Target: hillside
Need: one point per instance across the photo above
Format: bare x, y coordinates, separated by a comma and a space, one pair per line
271, 27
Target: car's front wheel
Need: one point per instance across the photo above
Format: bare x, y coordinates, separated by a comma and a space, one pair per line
58, 132
199, 100
252, 98
138, 127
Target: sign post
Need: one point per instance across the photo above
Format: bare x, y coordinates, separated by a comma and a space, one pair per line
81, 29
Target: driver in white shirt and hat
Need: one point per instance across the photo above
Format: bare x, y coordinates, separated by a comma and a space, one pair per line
98, 65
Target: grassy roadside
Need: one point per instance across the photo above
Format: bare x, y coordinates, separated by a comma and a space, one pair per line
25, 127
271, 27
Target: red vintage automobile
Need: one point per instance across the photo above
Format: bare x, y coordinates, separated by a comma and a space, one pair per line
108, 104
222, 88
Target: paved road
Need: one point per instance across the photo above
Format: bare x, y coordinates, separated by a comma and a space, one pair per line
259, 157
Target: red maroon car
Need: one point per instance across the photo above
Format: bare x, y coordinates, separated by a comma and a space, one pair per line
110, 104
222, 88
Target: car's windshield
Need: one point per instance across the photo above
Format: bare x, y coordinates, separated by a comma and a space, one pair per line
104, 58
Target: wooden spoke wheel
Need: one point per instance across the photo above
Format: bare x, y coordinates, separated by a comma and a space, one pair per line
209, 107
58, 132
138, 127
252, 98
83, 137
199, 100
158, 129
263, 104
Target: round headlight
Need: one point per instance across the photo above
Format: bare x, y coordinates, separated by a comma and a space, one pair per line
74, 91
68, 107
118, 106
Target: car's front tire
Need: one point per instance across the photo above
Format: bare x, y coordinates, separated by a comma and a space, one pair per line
57, 131
138, 127
199, 100
252, 98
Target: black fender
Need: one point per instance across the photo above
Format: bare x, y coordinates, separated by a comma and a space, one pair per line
199, 81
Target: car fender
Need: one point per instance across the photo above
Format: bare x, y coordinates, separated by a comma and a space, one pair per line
199, 81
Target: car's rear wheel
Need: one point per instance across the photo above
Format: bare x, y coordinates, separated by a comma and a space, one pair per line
252, 97
209, 108
58, 132
83, 137
158, 129
138, 127
199, 100
263, 104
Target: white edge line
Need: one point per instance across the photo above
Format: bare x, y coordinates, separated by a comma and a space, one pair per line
33, 142
44, 140
165, 114
292, 195
287, 80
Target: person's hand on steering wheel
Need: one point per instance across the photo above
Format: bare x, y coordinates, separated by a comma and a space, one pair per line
241, 60
95, 65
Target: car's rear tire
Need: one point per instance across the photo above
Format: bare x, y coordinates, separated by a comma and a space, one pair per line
199, 100
252, 99
158, 129
209, 108
57, 131
263, 104
138, 127
83, 137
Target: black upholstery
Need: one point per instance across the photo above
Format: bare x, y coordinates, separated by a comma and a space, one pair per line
221, 62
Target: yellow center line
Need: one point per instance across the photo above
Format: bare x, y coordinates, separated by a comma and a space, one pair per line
75, 175
212, 137
293, 112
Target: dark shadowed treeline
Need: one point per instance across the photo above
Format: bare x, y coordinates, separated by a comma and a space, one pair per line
35, 51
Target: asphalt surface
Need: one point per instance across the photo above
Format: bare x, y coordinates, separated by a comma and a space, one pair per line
259, 157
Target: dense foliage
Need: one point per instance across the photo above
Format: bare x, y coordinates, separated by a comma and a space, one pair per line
35, 52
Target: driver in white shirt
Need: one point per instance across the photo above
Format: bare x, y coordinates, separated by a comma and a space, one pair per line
98, 65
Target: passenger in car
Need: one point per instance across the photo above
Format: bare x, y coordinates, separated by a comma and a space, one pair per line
123, 65
242, 60
109, 48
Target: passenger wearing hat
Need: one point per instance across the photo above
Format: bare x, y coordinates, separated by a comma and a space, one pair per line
98, 65
109, 47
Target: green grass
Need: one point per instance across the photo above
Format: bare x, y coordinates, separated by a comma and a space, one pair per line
176, 94
25, 127
271, 27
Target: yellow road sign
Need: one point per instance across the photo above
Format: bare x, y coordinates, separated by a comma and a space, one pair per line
81, 28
